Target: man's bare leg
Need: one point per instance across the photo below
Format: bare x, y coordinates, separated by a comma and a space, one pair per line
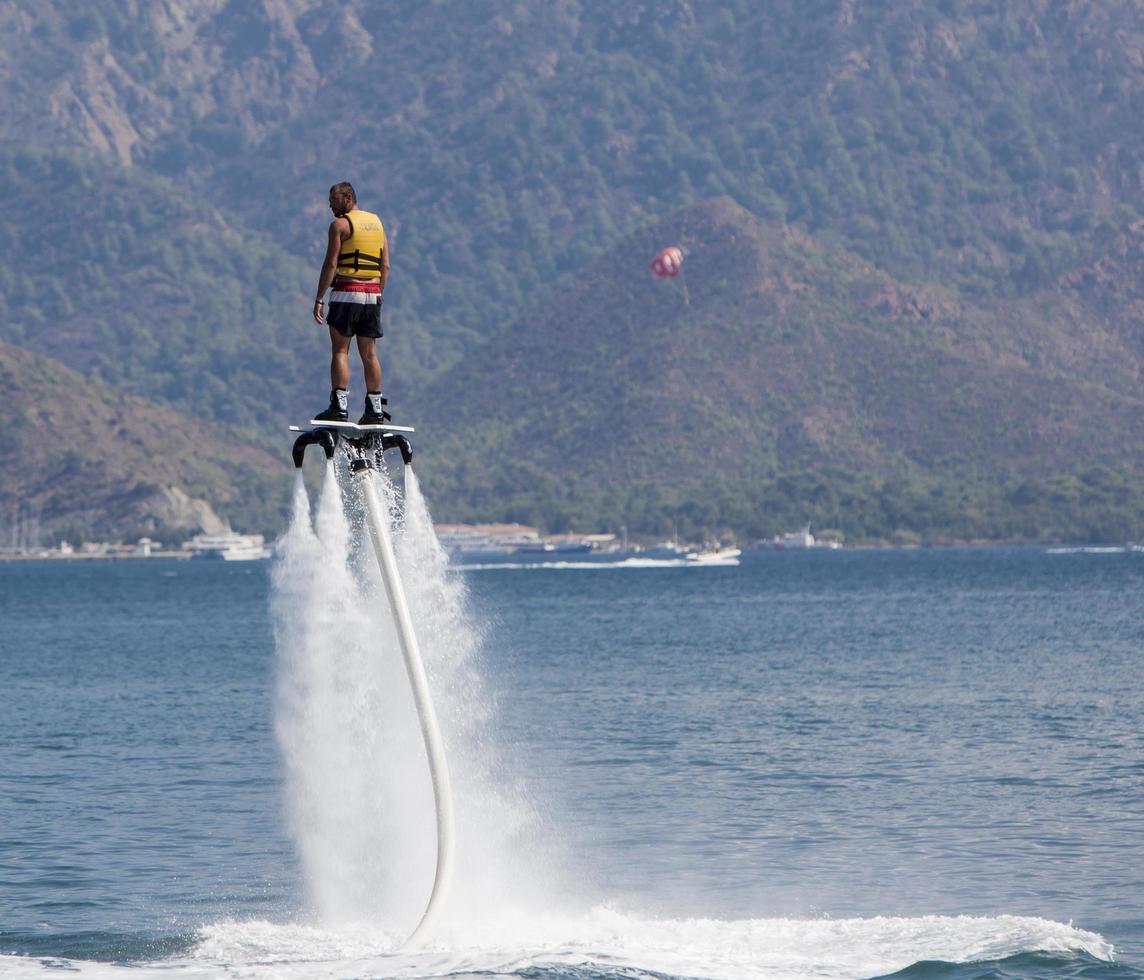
374, 411
367, 348
340, 360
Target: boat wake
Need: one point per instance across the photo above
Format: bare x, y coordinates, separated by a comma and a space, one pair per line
628, 563
1128, 549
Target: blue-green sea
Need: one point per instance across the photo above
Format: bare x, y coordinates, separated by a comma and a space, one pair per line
859, 763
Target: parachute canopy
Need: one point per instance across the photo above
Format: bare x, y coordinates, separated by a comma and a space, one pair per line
668, 263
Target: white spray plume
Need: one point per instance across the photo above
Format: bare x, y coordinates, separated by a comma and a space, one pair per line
359, 796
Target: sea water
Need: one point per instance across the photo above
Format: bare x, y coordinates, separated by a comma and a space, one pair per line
810, 765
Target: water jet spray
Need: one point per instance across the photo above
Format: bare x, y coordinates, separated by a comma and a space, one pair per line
366, 449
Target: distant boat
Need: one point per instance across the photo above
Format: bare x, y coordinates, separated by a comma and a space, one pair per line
713, 555
485, 542
476, 549
490, 550
227, 547
478, 554
664, 551
795, 540
549, 549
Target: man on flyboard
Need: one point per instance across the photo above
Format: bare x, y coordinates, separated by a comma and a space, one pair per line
356, 267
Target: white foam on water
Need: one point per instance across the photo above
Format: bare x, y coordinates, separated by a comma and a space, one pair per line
608, 941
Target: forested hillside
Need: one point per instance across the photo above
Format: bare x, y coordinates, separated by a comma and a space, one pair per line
162, 294
782, 380
81, 456
178, 155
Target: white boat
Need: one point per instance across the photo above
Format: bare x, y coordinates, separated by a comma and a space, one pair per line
475, 548
228, 547
716, 555
246, 553
795, 540
553, 548
484, 542
664, 551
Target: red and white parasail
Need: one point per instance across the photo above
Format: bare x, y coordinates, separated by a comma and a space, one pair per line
668, 264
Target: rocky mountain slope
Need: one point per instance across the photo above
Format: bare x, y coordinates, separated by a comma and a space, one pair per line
83, 458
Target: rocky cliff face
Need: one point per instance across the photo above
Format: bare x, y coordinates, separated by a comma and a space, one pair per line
121, 78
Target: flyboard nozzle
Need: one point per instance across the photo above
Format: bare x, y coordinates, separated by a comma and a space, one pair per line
393, 440
319, 437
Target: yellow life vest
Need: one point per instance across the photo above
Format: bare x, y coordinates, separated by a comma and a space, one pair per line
361, 254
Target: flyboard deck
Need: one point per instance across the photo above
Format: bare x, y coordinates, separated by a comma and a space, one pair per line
351, 428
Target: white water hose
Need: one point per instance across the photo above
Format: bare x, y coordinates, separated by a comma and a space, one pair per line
378, 519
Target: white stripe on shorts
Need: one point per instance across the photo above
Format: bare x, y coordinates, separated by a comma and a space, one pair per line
361, 299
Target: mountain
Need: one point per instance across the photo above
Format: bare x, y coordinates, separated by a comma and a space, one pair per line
84, 460
777, 355
986, 147
162, 294
163, 169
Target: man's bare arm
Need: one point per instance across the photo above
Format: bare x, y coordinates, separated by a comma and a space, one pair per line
338, 228
384, 267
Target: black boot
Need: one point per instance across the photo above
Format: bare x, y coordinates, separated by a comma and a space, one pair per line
374, 418
333, 413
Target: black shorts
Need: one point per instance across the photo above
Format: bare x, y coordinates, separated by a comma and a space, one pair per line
355, 319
